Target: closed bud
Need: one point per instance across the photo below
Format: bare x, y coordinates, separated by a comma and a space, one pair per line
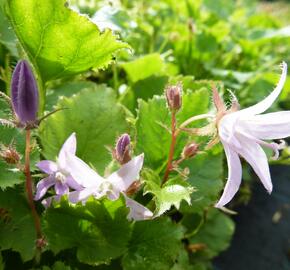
122, 149
190, 150
41, 243
174, 96
24, 93
133, 188
9, 154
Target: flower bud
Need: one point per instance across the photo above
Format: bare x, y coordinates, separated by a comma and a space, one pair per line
173, 95
24, 93
5, 216
122, 149
133, 188
9, 154
41, 243
189, 150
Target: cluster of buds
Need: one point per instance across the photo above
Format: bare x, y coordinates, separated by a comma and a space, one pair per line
9, 154
173, 95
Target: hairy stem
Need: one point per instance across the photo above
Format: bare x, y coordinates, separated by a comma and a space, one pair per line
28, 186
171, 150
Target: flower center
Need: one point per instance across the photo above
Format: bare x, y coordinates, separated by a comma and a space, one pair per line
60, 177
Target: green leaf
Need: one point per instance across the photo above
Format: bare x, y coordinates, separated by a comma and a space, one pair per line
65, 90
58, 40
10, 174
144, 67
215, 234
182, 262
99, 230
7, 37
153, 125
56, 266
144, 89
172, 193
95, 117
206, 170
153, 245
16, 224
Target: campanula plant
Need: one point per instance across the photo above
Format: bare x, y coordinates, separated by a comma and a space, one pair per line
141, 166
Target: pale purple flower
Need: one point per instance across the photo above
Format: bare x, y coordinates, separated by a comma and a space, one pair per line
58, 172
114, 185
243, 133
24, 93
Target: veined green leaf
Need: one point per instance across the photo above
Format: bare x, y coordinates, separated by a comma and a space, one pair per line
16, 224
99, 230
153, 245
95, 117
59, 41
172, 193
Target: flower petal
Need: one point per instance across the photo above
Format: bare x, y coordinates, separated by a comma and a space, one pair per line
82, 173
267, 126
47, 201
72, 183
69, 146
42, 187
61, 189
82, 195
268, 101
127, 174
234, 176
256, 157
47, 166
137, 210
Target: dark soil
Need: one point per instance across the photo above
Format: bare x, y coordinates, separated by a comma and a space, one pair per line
262, 237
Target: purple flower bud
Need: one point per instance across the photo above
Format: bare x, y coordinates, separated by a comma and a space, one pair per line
24, 93
190, 150
173, 95
122, 149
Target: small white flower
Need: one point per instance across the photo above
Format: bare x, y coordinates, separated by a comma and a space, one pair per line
243, 134
114, 185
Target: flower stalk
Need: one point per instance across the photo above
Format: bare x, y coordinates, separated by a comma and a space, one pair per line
28, 186
171, 149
